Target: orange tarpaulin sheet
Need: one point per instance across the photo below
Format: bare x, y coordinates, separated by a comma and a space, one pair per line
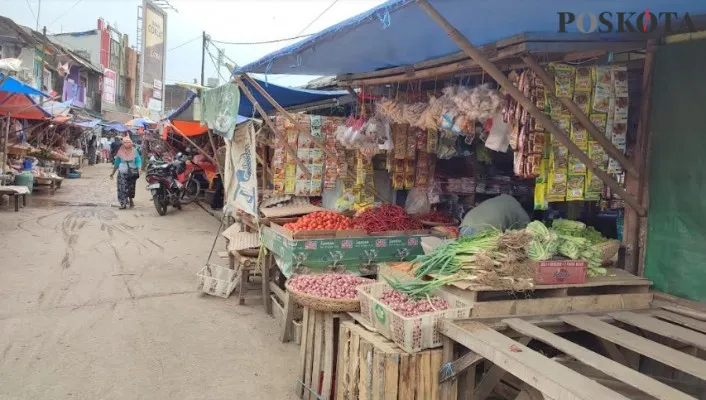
21, 106
188, 128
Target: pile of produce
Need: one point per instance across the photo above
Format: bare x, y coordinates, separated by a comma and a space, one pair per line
386, 217
567, 238
409, 307
321, 221
331, 286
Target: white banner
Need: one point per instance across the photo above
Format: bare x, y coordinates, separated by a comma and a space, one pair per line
241, 179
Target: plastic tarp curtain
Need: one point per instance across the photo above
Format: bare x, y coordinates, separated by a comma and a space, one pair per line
284, 96
220, 109
13, 85
240, 182
675, 253
399, 32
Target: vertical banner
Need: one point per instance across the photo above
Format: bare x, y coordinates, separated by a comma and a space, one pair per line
153, 55
220, 109
240, 177
109, 86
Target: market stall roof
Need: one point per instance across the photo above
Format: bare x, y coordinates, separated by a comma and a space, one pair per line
399, 32
285, 96
13, 85
21, 106
116, 127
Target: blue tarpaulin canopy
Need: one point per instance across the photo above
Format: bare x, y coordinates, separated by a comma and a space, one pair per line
399, 32
12, 85
285, 96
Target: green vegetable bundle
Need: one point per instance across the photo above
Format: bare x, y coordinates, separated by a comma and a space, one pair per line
449, 258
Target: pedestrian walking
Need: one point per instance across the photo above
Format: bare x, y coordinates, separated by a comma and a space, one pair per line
127, 164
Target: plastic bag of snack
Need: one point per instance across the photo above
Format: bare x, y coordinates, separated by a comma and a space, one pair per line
564, 76
556, 190
576, 167
584, 79
575, 187
432, 141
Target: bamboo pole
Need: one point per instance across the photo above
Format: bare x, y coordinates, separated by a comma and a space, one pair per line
191, 142
213, 146
262, 112
548, 80
314, 140
528, 105
4, 143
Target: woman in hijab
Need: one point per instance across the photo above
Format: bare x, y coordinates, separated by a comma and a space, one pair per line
127, 163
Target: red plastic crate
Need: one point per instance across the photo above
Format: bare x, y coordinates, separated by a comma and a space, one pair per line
555, 272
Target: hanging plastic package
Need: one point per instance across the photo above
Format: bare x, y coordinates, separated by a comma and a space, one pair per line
499, 136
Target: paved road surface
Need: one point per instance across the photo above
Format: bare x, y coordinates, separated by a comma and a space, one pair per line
100, 303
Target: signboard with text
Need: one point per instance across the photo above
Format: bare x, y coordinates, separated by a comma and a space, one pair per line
109, 79
153, 53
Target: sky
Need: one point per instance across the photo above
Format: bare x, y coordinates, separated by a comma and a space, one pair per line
224, 20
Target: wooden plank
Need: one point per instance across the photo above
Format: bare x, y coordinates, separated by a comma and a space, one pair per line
595, 360
328, 356
365, 385
288, 318
491, 378
654, 350
686, 312
448, 390
269, 262
318, 353
354, 368
304, 358
435, 366
343, 377
562, 305
453, 369
424, 373
378, 375
527, 104
663, 299
662, 328
413, 382
554, 380
613, 351
681, 320
406, 382
391, 376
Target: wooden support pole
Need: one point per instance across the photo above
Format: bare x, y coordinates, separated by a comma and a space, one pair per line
635, 184
6, 136
575, 110
213, 146
191, 142
306, 132
528, 105
269, 123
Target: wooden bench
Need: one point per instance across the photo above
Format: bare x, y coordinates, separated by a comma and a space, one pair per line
52, 183
18, 192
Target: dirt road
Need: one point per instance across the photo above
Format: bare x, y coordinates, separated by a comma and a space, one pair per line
100, 303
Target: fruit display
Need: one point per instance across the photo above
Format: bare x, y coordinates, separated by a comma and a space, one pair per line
321, 221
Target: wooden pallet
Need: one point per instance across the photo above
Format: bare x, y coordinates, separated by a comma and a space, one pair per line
619, 290
317, 354
503, 344
372, 367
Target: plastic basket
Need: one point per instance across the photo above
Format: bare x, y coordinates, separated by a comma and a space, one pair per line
412, 334
216, 280
318, 303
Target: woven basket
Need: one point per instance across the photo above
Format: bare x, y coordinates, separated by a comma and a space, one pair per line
317, 303
608, 250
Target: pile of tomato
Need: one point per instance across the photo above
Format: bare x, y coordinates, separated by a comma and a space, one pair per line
321, 221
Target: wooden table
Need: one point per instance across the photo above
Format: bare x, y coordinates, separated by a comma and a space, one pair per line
16, 192
505, 344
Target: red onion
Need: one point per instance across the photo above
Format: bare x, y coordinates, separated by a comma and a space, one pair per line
409, 307
332, 286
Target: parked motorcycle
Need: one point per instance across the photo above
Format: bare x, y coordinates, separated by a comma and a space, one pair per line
199, 173
163, 183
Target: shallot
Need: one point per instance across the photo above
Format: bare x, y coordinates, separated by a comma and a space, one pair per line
409, 307
332, 286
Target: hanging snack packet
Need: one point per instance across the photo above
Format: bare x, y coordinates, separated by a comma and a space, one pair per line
557, 186
575, 187
576, 167
564, 76
584, 80
599, 120
583, 100
409, 169
597, 154
399, 139
432, 141
579, 135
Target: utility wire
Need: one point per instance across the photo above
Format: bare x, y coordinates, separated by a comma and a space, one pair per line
64, 13
31, 10
185, 43
215, 64
317, 17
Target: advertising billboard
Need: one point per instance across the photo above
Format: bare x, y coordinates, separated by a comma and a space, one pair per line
109, 79
153, 54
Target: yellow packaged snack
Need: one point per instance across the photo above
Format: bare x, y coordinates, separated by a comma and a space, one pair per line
575, 187
579, 135
564, 76
584, 79
556, 190
599, 120
576, 167
583, 100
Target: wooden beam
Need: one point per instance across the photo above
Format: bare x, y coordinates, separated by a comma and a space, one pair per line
293, 120
491, 378
447, 390
662, 328
613, 351
597, 361
213, 146
656, 351
452, 369
634, 184
191, 142
681, 320
269, 123
545, 375
548, 80
686, 312
528, 105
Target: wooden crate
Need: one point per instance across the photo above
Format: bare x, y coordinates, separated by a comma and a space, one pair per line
317, 354
619, 290
372, 367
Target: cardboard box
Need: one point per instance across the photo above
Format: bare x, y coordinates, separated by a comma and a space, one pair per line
553, 272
